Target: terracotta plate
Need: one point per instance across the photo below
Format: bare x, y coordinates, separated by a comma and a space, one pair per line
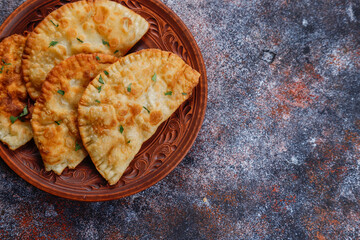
160, 154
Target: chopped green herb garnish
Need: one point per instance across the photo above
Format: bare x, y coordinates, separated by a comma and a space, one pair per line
5, 62
146, 109
184, 93
24, 112
99, 89
129, 87
97, 58
53, 43
2, 67
169, 93
13, 119
97, 101
77, 146
128, 141
58, 122
61, 92
56, 25
101, 80
106, 73
154, 77
80, 40
121, 129
105, 42
116, 51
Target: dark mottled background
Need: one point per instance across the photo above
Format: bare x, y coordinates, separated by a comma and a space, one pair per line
278, 156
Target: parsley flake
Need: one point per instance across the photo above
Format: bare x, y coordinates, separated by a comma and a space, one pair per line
116, 51
99, 89
169, 93
97, 58
53, 43
129, 87
56, 25
146, 109
80, 40
121, 129
128, 141
24, 112
106, 73
2, 68
13, 119
77, 146
101, 80
154, 77
97, 101
58, 122
184, 93
5, 62
61, 92
105, 42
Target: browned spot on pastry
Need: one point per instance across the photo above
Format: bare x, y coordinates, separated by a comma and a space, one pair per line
64, 23
123, 112
114, 42
57, 15
49, 133
130, 121
71, 33
101, 14
136, 90
101, 124
119, 89
87, 8
145, 128
103, 30
126, 23
155, 117
62, 50
86, 26
88, 74
135, 109
120, 118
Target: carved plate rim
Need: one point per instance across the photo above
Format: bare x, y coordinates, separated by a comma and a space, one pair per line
189, 43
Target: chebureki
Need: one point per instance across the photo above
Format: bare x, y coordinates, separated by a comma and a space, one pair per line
54, 119
88, 100
99, 26
15, 129
124, 109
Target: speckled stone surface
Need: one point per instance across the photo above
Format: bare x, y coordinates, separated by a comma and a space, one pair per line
278, 156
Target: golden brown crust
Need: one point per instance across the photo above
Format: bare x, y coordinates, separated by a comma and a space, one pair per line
81, 27
13, 95
55, 114
134, 102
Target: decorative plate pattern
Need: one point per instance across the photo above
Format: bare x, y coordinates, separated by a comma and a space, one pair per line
160, 154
